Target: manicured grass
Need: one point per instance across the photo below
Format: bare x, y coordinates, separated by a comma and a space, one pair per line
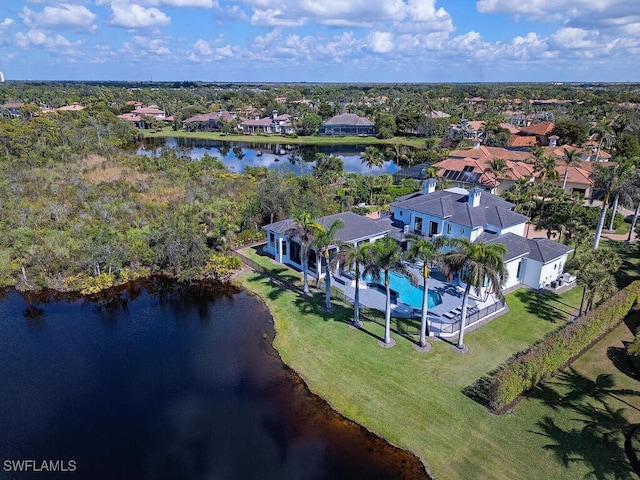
416, 400
300, 140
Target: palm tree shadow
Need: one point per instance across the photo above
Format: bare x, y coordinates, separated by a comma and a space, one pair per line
620, 359
541, 304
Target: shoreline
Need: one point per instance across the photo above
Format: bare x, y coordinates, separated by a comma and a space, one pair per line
246, 286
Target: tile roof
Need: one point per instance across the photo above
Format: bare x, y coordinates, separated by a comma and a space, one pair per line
348, 119
540, 128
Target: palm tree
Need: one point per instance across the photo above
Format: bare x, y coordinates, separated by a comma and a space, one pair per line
386, 256
353, 257
304, 228
624, 189
604, 133
399, 154
324, 240
428, 252
604, 178
594, 271
371, 157
571, 159
497, 167
546, 169
479, 265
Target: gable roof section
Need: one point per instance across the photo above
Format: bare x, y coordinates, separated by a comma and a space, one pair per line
540, 128
538, 249
545, 250
356, 227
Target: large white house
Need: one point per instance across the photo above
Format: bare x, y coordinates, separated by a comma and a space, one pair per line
287, 250
475, 214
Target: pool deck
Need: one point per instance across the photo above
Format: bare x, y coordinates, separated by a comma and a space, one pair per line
444, 317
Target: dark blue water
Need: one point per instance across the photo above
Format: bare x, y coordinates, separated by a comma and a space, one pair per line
237, 155
159, 382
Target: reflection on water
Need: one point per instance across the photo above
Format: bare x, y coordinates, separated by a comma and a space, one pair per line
163, 382
236, 155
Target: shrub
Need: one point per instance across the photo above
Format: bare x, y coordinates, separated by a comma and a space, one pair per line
527, 368
634, 353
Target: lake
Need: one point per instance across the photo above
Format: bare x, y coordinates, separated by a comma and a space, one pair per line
158, 381
237, 155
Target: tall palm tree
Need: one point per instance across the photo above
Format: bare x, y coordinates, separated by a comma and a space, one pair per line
371, 157
546, 169
603, 133
304, 228
399, 154
624, 189
354, 257
604, 178
428, 252
571, 159
324, 240
479, 265
386, 256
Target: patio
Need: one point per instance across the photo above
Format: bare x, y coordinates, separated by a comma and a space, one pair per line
444, 318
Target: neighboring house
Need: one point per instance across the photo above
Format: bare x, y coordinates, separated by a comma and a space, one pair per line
347, 124
467, 129
75, 107
536, 134
278, 124
208, 122
139, 115
287, 250
11, 110
415, 172
474, 172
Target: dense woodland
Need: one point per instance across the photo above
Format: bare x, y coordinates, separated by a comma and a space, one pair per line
80, 211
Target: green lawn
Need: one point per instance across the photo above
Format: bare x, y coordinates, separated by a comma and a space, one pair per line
416, 400
300, 140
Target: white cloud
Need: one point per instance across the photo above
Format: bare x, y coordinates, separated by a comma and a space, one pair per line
179, 3
274, 18
381, 42
65, 15
202, 47
37, 38
6, 23
152, 45
129, 15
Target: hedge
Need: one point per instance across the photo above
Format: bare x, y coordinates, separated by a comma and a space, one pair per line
502, 387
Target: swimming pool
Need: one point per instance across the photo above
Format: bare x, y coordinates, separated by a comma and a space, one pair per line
406, 293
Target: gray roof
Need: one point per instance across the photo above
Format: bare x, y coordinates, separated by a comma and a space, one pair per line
538, 249
454, 206
356, 227
517, 246
348, 119
544, 250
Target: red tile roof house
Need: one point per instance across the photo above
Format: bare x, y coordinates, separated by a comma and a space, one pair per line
466, 168
137, 115
532, 135
277, 124
208, 122
347, 124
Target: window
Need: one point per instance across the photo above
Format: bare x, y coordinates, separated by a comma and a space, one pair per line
462, 230
272, 239
519, 270
433, 228
468, 168
417, 226
284, 247
448, 228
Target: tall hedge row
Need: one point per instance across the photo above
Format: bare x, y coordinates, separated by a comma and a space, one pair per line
527, 368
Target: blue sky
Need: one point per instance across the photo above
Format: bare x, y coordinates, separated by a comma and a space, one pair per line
321, 40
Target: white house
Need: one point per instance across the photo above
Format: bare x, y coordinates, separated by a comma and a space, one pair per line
478, 215
287, 250
455, 212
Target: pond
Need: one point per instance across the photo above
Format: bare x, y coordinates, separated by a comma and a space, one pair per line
237, 155
166, 382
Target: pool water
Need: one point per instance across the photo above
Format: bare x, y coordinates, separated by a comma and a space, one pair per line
407, 293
